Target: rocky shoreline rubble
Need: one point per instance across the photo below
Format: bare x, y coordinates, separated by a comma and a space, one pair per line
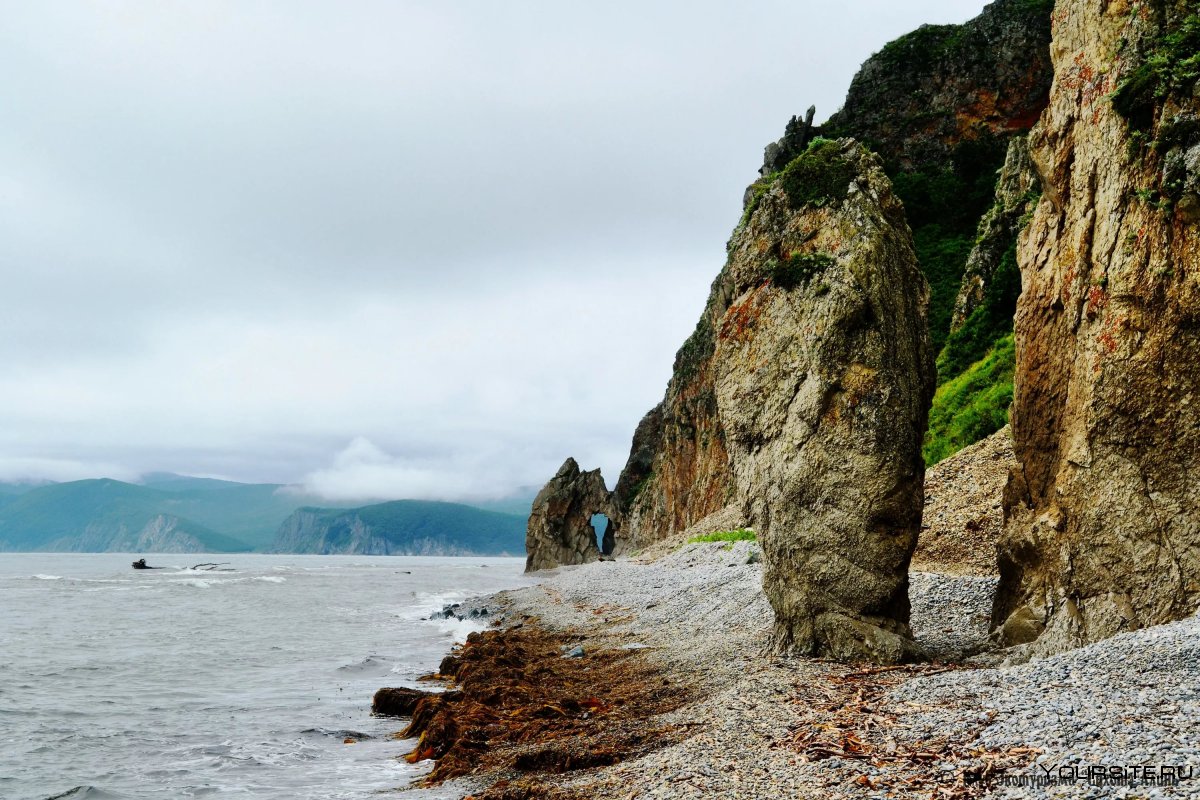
739, 721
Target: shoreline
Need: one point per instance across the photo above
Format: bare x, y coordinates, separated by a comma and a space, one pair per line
753, 724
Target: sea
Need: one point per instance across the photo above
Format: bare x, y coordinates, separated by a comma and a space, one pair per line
250, 682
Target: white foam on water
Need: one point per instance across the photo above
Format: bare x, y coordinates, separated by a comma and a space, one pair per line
199, 584
48, 577
460, 629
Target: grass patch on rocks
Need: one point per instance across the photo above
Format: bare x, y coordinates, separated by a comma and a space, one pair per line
798, 269
987, 325
740, 535
973, 405
818, 176
1170, 67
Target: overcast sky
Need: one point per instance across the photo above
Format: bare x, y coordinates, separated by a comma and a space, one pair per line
384, 249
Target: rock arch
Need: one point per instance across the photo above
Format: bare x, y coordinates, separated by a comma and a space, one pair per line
560, 523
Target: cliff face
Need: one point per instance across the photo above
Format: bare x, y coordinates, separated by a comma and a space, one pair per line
976, 85
314, 531
822, 374
678, 468
797, 406
161, 534
1017, 191
1103, 516
924, 93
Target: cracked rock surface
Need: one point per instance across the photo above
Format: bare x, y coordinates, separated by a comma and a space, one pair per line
1103, 515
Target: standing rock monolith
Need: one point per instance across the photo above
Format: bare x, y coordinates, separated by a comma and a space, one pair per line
823, 376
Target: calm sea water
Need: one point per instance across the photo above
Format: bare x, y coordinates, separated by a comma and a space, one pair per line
174, 683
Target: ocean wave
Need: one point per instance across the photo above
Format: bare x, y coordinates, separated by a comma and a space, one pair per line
270, 579
371, 665
425, 603
41, 577
460, 629
198, 583
87, 793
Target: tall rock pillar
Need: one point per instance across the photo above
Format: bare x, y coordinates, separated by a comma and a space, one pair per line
823, 377
1102, 527
560, 527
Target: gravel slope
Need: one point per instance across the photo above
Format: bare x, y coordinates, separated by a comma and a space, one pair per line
963, 516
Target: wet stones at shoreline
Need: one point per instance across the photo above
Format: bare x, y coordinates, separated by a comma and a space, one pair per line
461, 613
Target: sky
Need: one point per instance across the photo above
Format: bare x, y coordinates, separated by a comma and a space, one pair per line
379, 249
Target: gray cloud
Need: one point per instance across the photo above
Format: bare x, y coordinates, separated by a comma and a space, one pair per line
430, 248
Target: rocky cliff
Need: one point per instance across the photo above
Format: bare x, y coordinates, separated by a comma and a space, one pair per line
923, 94
1103, 515
1017, 191
162, 533
977, 85
560, 529
784, 413
798, 406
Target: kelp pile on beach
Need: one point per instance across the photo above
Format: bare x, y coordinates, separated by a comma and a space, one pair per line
850, 717
524, 700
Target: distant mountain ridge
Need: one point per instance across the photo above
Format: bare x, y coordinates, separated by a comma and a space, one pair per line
403, 527
177, 513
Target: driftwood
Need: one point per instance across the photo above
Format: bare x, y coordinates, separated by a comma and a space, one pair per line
210, 566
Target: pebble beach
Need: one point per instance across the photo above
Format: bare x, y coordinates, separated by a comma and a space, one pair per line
967, 724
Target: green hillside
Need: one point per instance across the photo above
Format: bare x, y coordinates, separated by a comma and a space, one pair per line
250, 512
412, 527
223, 516
104, 509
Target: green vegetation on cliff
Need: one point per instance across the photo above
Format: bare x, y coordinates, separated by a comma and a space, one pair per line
972, 405
988, 324
943, 204
940, 106
798, 269
1169, 67
819, 175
